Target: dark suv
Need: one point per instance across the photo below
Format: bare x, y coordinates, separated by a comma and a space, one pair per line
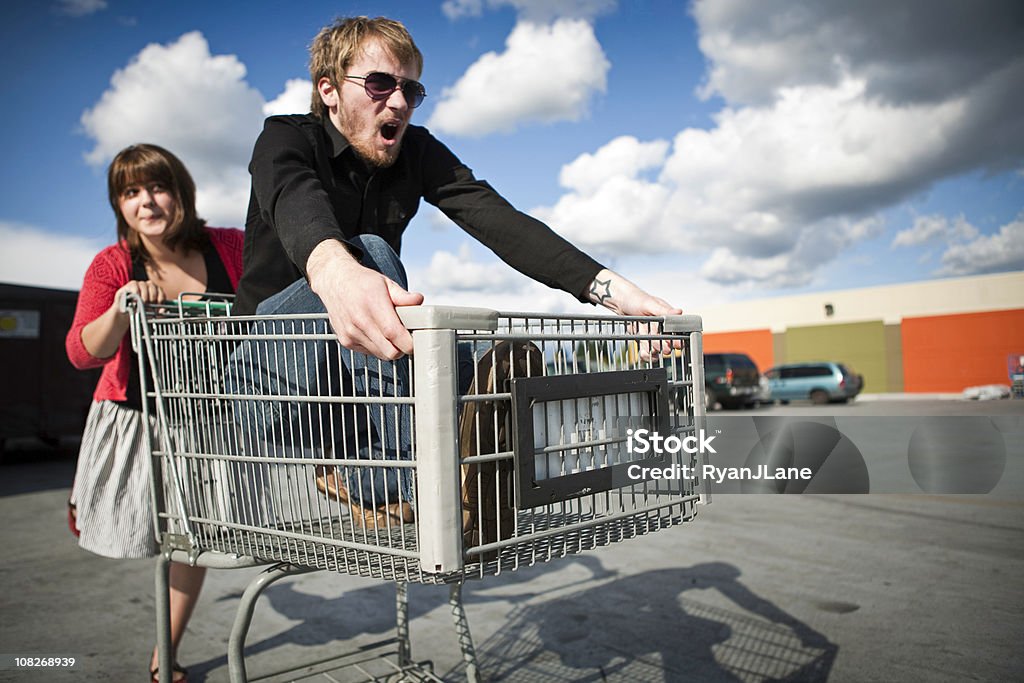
731, 379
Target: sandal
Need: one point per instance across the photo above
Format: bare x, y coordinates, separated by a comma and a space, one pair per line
329, 484
176, 669
488, 513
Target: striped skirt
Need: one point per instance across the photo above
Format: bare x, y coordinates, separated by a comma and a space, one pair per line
112, 484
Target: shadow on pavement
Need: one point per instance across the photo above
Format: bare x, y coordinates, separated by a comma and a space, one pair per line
640, 627
369, 612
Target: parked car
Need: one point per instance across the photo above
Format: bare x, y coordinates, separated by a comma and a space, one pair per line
820, 382
730, 379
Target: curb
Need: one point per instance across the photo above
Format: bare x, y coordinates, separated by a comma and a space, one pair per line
909, 397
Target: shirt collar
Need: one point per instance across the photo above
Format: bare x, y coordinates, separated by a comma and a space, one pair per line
338, 142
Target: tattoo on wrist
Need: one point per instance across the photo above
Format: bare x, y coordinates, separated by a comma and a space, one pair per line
601, 290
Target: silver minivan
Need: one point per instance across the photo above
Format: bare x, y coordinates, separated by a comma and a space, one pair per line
820, 382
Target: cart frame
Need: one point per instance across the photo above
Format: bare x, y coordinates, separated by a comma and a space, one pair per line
597, 375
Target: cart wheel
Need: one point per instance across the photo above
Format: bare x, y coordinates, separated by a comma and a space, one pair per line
819, 397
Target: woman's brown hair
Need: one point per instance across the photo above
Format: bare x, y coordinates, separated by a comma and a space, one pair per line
142, 164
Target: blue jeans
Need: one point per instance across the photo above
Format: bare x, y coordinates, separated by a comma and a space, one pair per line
308, 369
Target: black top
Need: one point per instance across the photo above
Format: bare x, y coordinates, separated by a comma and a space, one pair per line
217, 280
308, 185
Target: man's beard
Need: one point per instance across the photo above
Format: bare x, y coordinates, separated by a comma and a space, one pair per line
366, 150
375, 157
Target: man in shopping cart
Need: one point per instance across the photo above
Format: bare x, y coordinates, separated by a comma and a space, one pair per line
333, 191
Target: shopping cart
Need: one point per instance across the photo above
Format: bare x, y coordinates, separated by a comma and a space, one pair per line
504, 441
1015, 370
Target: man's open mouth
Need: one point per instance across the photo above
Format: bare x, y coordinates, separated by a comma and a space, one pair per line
389, 131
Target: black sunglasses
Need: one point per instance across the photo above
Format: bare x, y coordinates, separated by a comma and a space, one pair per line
379, 86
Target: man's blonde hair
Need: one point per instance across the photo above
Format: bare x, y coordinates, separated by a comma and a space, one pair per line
338, 45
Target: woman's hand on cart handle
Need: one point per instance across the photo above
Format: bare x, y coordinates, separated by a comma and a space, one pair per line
147, 291
103, 336
619, 295
360, 302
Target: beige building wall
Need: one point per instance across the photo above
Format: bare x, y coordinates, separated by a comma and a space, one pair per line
888, 303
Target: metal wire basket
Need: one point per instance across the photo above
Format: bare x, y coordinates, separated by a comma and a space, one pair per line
502, 442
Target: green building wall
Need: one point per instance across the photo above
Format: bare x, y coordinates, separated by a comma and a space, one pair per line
894, 357
859, 346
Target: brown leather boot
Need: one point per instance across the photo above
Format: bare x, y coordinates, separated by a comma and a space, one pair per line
488, 512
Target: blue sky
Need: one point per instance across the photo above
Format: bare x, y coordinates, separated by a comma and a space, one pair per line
712, 151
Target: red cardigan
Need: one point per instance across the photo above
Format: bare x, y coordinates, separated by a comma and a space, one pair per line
109, 271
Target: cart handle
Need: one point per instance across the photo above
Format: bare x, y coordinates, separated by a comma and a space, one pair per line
467, 318
211, 301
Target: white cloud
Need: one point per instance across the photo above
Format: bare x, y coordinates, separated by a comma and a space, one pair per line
933, 228
725, 267
1002, 251
294, 99
925, 229
474, 277
815, 153
547, 73
436, 219
197, 105
530, 10
223, 199
471, 278
682, 286
620, 216
456, 9
67, 257
79, 8
813, 247
608, 206
819, 133
611, 209
765, 181
624, 156
967, 251
448, 272
908, 51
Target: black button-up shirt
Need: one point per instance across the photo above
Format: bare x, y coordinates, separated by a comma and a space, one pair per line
309, 185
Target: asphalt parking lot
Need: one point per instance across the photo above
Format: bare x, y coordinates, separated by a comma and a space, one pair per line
902, 585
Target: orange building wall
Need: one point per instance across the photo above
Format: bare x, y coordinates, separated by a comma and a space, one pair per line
950, 352
755, 343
